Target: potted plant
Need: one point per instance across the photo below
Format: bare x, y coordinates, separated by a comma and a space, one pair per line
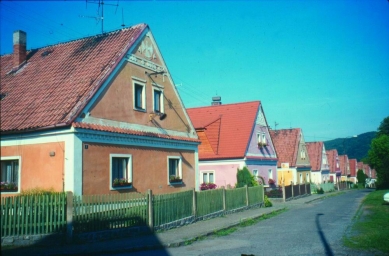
207, 186
8, 187
271, 182
121, 183
175, 179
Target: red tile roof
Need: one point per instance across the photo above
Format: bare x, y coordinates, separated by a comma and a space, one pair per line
57, 81
331, 156
343, 164
104, 128
286, 143
315, 150
353, 167
225, 130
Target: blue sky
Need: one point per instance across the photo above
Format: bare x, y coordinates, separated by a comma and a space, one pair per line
322, 66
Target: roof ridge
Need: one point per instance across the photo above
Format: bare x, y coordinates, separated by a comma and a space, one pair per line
83, 38
229, 104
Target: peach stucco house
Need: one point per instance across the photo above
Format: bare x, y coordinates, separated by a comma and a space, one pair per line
320, 170
82, 115
233, 136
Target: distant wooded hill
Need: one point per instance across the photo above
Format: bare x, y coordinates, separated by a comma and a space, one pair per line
353, 147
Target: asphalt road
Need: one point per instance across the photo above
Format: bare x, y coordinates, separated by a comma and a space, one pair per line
316, 228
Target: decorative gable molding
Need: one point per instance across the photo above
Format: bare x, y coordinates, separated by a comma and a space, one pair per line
145, 63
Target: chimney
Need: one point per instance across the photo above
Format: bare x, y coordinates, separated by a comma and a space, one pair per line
20, 52
216, 101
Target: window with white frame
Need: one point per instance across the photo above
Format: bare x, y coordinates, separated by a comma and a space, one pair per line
302, 154
139, 95
158, 100
10, 174
120, 171
255, 174
208, 177
174, 169
270, 174
264, 142
307, 180
301, 178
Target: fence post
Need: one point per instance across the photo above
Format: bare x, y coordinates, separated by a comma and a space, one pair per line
69, 216
306, 188
283, 192
292, 186
247, 195
194, 203
299, 189
224, 199
150, 206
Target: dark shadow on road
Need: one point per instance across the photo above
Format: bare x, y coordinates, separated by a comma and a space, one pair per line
327, 247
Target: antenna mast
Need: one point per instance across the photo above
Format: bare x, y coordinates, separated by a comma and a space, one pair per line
100, 3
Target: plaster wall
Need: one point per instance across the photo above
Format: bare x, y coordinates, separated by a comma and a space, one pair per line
225, 174
37, 168
286, 175
149, 169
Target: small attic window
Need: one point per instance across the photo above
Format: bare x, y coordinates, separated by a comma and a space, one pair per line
45, 53
2, 96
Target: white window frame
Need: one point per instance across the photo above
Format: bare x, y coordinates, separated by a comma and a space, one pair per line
208, 172
307, 178
143, 96
129, 170
161, 101
19, 158
264, 139
301, 178
255, 174
302, 154
179, 167
270, 174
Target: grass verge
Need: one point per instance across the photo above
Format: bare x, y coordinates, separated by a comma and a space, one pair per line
370, 229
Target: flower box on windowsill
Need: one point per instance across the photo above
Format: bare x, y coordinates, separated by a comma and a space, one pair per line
121, 185
174, 181
9, 190
262, 144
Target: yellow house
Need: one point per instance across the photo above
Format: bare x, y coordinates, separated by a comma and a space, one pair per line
293, 164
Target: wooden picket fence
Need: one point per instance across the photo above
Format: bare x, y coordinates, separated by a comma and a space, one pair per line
32, 215
172, 207
65, 213
104, 212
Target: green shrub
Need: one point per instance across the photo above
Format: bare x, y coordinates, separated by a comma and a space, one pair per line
355, 186
268, 203
38, 192
320, 191
244, 177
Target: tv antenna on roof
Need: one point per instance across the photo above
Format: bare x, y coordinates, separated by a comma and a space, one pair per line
101, 4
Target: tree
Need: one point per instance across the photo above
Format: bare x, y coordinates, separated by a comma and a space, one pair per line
244, 177
361, 177
384, 127
379, 159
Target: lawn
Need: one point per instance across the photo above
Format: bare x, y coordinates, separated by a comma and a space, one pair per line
371, 224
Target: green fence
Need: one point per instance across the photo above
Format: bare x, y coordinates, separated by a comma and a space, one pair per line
172, 207
235, 198
327, 187
33, 215
103, 212
256, 195
209, 201
65, 213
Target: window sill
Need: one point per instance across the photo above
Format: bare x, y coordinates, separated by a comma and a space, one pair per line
9, 190
140, 109
119, 187
172, 183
